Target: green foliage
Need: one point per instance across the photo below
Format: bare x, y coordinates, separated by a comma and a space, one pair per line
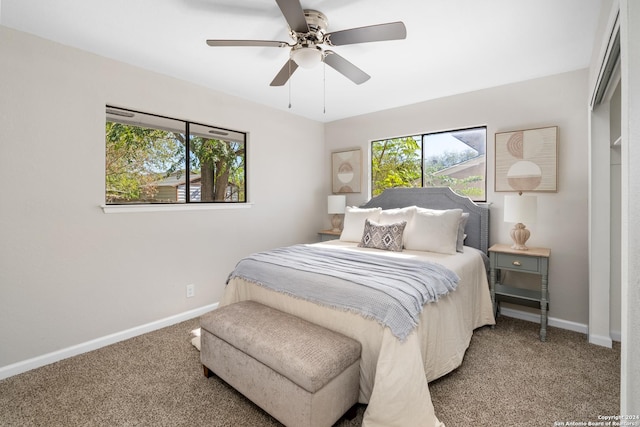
395, 163
463, 186
136, 157
448, 159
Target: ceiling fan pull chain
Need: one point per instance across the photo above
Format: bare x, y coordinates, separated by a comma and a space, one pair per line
324, 87
289, 81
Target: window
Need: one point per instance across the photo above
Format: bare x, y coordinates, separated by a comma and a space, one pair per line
154, 159
453, 159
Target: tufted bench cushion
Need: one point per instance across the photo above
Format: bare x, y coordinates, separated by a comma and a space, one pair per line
300, 373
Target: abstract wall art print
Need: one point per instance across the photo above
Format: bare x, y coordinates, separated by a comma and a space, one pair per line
346, 171
527, 160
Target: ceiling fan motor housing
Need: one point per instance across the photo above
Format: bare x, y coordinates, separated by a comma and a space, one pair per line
317, 22
307, 52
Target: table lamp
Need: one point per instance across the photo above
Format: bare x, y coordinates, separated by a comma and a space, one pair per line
336, 205
518, 210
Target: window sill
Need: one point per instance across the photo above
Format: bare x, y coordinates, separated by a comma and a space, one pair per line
111, 209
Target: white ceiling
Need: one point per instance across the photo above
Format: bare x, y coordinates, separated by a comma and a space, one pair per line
452, 46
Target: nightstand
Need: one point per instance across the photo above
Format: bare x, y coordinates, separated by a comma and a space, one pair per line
329, 235
533, 261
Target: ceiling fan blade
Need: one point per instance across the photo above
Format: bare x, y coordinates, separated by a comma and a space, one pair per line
285, 72
293, 13
256, 43
371, 33
346, 68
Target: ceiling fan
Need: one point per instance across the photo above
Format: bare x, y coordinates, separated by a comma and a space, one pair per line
310, 44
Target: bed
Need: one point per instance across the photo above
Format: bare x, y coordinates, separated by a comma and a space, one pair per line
395, 371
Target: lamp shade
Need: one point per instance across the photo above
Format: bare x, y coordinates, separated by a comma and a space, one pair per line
336, 204
523, 209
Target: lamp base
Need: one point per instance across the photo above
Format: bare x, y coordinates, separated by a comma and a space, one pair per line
336, 223
520, 235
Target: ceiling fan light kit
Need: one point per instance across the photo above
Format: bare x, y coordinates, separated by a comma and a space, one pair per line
307, 57
308, 29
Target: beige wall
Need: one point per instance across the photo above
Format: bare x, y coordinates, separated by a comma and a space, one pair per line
559, 100
70, 273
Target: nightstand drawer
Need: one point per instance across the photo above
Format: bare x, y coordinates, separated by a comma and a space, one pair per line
518, 262
326, 235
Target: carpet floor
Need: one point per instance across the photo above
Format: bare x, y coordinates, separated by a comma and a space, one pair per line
508, 378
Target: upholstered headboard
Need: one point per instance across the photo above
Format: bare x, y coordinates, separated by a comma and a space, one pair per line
477, 228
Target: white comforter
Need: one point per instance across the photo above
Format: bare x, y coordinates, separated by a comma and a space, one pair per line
394, 374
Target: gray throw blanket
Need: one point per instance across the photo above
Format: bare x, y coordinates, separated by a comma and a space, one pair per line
388, 289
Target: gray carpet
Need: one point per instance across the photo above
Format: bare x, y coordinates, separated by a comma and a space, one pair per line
508, 378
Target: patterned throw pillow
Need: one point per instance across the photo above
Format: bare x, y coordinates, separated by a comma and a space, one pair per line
387, 237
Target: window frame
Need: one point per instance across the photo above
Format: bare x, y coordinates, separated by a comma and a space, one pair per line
421, 142
187, 204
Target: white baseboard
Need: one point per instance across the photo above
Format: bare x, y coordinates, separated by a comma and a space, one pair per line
552, 321
601, 340
46, 359
616, 336
563, 324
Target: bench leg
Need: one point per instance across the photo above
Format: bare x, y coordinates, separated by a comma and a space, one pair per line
207, 372
351, 413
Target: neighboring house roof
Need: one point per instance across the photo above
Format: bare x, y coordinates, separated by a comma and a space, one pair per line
460, 167
473, 139
176, 179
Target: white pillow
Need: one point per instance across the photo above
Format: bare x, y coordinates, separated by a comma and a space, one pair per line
394, 216
461, 236
354, 222
433, 230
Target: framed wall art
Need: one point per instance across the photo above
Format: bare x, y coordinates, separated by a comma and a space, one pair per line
527, 160
346, 172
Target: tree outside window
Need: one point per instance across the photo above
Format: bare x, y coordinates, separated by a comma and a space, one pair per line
150, 159
454, 159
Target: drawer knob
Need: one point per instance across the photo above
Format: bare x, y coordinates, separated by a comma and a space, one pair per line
517, 263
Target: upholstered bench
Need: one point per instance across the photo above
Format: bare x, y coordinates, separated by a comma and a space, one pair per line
300, 373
